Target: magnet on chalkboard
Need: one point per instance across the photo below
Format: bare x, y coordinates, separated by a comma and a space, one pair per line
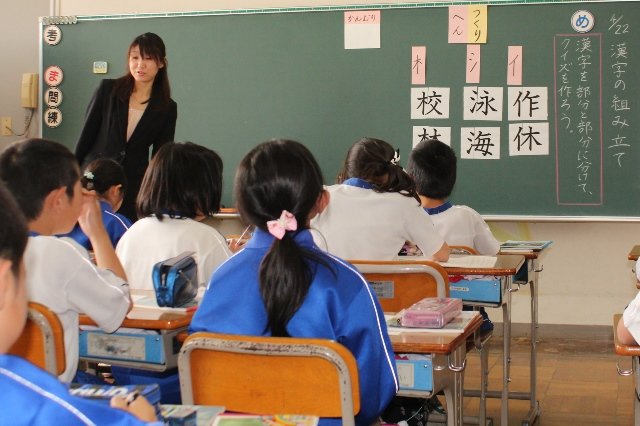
52, 117
100, 67
582, 21
53, 76
52, 35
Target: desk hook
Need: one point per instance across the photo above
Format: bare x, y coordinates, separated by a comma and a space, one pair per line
622, 372
454, 368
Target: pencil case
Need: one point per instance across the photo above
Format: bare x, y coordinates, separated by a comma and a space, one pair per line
431, 312
175, 280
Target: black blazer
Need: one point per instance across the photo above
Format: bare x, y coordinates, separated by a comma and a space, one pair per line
105, 131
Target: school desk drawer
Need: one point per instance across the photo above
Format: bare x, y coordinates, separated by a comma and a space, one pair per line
152, 350
486, 290
416, 373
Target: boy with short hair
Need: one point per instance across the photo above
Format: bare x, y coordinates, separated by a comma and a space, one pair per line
44, 178
432, 165
30, 395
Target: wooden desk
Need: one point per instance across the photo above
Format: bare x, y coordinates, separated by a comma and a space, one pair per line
156, 352
505, 267
634, 352
449, 359
166, 321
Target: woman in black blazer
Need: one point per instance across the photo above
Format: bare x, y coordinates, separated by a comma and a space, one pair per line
129, 115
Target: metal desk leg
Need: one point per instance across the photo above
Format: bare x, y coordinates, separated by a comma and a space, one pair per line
484, 378
534, 410
453, 389
506, 321
482, 346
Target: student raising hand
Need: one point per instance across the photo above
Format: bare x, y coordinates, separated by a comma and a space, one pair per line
90, 221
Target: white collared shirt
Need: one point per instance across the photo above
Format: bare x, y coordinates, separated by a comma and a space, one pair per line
463, 226
360, 223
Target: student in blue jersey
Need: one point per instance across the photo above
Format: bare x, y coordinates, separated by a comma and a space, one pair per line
44, 178
374, 209
432, 165
106, 177
282, 284
30, 395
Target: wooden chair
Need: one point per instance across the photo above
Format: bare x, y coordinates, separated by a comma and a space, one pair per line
400, 284
42, 340
270, 375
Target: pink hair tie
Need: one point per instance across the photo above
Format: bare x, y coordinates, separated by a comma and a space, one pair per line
286, 222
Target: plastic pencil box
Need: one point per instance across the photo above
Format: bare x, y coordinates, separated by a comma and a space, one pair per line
431, 312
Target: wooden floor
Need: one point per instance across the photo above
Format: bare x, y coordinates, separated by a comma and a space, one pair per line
577, 380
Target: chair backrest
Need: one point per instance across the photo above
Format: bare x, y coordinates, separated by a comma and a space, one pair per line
400, 284
42, 340
270, 375
463, 250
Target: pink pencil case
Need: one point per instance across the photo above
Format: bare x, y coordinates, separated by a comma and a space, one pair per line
431, 312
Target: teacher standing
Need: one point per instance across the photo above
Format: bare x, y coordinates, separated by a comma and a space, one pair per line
129, 115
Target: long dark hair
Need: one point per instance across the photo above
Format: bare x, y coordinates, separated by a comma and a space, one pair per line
371, 160
151, 45
281, 175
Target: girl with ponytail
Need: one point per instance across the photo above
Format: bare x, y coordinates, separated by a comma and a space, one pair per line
375, 209
282, 284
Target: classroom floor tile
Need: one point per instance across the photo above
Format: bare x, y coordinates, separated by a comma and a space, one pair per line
577, 382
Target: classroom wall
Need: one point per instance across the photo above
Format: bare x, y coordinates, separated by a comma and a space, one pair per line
586, 277
19, 51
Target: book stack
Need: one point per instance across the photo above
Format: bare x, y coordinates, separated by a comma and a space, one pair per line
513, 246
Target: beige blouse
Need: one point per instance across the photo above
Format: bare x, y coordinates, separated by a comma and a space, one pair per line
134, 118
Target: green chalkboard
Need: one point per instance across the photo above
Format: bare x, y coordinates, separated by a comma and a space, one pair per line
244, 77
